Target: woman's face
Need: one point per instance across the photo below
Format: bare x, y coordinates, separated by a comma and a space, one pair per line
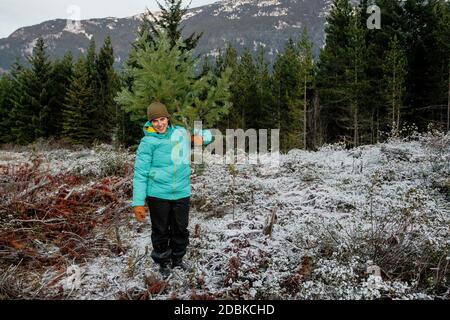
160, 124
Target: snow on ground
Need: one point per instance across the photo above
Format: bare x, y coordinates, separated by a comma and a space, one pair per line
367, 223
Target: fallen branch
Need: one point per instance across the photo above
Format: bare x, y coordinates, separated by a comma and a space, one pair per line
49, 221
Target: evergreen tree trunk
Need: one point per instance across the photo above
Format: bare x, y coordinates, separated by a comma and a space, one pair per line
394, 77
316, 131
279, 110
448, 98
355, 110
378, 125
304, 111
371, 128
395, 69
355, 124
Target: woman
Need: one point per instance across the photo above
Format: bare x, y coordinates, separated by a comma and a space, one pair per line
162, 181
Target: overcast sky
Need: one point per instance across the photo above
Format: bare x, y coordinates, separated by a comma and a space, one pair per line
20, 13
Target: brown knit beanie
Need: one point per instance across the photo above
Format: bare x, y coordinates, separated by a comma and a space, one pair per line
157, 110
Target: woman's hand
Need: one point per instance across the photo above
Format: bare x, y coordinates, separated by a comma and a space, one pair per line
140, 212
198, 140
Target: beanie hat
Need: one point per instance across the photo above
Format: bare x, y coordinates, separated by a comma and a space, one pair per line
157, 110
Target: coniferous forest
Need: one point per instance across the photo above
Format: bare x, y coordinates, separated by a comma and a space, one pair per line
363, 86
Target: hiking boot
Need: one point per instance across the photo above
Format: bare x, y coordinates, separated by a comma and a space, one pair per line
179, 264
164, 270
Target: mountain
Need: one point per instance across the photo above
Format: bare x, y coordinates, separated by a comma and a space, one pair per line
243, 23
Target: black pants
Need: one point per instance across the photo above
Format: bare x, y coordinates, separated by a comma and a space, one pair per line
170, 236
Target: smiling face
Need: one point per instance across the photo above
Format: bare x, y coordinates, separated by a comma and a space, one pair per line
160, 124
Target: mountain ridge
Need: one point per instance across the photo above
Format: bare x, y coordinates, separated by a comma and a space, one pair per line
243, 23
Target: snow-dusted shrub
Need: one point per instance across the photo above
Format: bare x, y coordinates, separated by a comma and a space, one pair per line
437, 145
112, 162
51, 144
339, 279
101, 161
338, 146
408, 132
409, 246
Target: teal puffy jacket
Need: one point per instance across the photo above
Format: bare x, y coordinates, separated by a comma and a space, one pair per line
162, 166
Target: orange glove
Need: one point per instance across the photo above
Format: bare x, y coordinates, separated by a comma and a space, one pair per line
198, 140
140, 212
